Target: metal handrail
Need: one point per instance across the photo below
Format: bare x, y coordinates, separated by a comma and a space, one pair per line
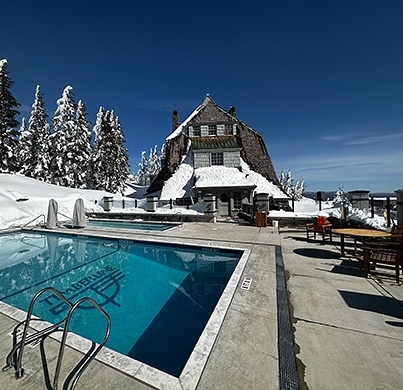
41, 215
66, 216
173, 215
14, 358
88, 359
19, 371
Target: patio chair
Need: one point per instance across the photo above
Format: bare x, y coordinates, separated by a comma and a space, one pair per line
321, 226
385, 255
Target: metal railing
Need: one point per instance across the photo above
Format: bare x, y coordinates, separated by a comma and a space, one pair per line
169, 219
14, 358
41, 215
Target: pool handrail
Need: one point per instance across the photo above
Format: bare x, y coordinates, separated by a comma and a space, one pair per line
77, 371
167, 219
40, 215
19, 371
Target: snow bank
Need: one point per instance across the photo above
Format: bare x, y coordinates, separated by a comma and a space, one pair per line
180, 183
22, 199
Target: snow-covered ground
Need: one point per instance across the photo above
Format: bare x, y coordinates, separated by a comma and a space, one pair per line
23, 199
308, 207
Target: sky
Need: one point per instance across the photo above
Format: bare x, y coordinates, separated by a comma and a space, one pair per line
322, 81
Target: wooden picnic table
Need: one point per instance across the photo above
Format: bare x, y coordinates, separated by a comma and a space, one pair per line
357, 233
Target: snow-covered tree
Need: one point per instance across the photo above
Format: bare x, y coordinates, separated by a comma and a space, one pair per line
62, 139
35, 141
81, 149
142, 174
121, 157
149, 167
299, 189
287, 183
8, 124
24, 146
340, 196
154, 162
110, 162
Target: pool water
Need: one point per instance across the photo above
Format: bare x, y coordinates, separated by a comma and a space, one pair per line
159, 296
135, 225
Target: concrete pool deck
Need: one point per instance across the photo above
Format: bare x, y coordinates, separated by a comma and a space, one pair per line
348, 330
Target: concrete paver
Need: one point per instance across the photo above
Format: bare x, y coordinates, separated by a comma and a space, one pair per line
348, 329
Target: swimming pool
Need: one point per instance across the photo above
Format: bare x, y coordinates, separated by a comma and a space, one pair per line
159, 296
135, 225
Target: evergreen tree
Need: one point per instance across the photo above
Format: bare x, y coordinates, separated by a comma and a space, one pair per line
35, 141
62, 140
149, 167
142, 176
162, 155
24, 146
110, 161
122, 157
287, 183
153, 163
8, 124
81, 149
299, 189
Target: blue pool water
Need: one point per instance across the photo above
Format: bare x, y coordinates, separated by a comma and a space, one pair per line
135, 225
159, 296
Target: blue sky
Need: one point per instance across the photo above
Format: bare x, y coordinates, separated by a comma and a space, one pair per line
322, 81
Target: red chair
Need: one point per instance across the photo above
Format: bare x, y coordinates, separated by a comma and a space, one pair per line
321, 226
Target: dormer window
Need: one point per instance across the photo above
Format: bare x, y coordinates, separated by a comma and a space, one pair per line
228, 129
212, 129
196, 131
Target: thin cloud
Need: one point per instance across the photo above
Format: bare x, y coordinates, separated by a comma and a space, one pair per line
376, 139
338, 166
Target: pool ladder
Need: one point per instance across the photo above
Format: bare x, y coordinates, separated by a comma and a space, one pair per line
14, 358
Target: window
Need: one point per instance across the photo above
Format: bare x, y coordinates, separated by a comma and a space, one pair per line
237, 200
228, 129
196, 131
212, 129
217, 159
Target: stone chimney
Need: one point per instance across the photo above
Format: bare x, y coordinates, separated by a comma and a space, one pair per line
175, 120
232, 111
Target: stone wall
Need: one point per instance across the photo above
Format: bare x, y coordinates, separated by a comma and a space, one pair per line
211, 114
254, 152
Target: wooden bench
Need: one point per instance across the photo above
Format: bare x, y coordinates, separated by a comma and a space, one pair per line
319, 226
387, 254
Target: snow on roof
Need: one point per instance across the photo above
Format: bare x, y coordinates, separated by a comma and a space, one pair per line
221, 176
183, 125
180, 183
263, 186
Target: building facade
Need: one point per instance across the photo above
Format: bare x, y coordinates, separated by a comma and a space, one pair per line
220, 145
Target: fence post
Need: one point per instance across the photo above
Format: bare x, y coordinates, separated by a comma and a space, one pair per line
388, 211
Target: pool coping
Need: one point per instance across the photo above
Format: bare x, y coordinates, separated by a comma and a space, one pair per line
194, 367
